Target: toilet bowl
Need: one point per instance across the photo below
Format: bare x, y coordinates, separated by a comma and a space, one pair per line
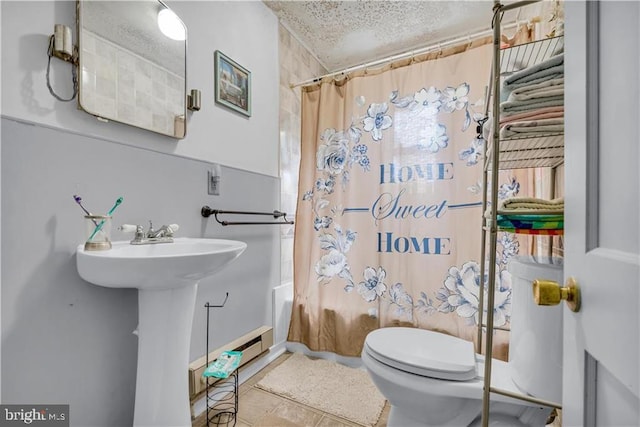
443, 388
433, 379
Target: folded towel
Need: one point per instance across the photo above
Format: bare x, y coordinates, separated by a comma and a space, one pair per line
556, 213
531, 104
535, 86
523, 224
513, 201
538, 114
534, 72
531, 217
531, 203
532, 127
543, 92
544, 232
549, 153
556, 72
530, 87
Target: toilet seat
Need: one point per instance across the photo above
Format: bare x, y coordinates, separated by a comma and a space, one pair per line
422, 352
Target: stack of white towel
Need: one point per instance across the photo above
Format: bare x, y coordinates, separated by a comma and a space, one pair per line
533, 100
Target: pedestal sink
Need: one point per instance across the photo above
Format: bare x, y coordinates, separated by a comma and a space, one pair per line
166, 276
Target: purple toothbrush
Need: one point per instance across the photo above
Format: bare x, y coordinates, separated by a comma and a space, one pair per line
78, 200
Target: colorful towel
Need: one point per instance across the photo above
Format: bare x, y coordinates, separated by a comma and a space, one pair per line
544, 232
530, 216
533, 222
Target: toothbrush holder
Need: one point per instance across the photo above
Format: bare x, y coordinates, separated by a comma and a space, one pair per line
99, 240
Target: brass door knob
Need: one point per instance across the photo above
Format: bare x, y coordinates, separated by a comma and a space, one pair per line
548, 292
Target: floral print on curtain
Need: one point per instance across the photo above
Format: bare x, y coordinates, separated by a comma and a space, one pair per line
388, 227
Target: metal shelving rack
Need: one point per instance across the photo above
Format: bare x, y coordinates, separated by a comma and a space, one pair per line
221, 393
509, 153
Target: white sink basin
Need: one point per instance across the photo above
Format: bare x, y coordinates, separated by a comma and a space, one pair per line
166, 276
157, 266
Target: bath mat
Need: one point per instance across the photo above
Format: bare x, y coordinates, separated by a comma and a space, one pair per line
327, 386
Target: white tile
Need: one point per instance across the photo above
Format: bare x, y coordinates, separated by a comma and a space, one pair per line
126, 78
88, 80
106, 68
126, 95
143, 67
106, 88
158, 91
143, 84
175, 82
105, 106
88, 61
159, 75
126, 113
143, 101
88, 42
105, 50
126, 61
160, 123
144, 118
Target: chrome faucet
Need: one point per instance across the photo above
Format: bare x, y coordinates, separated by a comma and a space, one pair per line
162, 235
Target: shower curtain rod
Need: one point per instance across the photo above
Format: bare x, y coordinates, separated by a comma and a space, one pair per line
440, 45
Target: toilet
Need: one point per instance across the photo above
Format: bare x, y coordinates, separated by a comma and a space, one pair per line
434, 379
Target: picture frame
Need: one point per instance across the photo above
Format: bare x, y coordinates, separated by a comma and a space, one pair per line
232, 84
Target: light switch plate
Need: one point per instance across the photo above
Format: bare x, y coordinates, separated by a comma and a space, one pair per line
213, 184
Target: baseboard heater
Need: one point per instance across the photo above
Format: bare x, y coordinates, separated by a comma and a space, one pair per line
252, 345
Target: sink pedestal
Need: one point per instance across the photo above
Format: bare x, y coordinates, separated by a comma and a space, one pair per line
166, 276
164, 334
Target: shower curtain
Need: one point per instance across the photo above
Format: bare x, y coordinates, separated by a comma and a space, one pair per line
388, 223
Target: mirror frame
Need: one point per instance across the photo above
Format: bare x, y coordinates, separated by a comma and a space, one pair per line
140, 67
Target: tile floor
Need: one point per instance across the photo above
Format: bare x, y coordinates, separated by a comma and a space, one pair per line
259, 408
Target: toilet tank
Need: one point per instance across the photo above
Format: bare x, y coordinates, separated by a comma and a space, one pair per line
535, 343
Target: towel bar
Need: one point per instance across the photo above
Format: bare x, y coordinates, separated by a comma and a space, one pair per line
206, 212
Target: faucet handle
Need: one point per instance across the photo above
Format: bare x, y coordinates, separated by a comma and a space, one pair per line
128, 228
172, 228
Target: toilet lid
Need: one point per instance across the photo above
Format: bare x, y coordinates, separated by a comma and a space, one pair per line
422, 352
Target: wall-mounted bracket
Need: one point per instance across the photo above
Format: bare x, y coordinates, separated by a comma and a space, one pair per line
61, 47
194, 100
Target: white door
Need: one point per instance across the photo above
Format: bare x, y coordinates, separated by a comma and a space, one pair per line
602, 249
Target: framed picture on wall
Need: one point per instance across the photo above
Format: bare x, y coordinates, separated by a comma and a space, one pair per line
232, 84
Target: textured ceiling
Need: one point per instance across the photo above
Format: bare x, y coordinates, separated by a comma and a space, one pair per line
134, 25
342, 34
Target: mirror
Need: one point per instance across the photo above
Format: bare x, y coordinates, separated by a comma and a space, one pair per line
129, 70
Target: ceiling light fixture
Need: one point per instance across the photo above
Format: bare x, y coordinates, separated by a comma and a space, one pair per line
170, 25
